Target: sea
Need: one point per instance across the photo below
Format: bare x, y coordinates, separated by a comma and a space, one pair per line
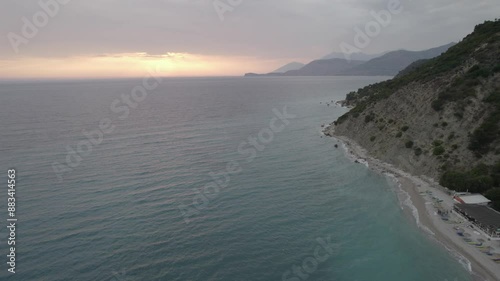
182, 179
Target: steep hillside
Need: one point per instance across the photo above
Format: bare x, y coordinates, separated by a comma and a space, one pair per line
440, 118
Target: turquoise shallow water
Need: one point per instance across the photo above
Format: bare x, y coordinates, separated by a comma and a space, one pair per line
116, 215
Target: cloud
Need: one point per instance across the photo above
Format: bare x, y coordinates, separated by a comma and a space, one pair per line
280, 30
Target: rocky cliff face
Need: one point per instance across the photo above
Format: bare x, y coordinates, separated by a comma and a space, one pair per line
443, 114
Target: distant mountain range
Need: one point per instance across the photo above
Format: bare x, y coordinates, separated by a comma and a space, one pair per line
353, 56
329, 67
392, 63
289, 66
389, 64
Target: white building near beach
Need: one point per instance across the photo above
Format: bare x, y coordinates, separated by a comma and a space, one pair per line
476, 199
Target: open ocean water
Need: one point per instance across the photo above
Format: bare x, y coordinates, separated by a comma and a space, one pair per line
204, 179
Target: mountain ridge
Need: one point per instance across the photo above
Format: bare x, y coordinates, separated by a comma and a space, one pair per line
353, 56
392, 63
389, 64
289, 66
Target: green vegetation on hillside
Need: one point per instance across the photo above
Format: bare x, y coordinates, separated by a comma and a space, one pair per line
480, 179
494, 195
409, 144
463, 87
438, 150
489, 130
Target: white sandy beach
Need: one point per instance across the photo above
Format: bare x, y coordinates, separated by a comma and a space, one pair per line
426, 196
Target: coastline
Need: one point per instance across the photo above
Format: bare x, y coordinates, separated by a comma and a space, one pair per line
421, 197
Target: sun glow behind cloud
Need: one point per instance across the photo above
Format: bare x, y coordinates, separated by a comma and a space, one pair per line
128, 65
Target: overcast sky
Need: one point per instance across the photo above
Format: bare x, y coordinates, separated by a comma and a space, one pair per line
268, 32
